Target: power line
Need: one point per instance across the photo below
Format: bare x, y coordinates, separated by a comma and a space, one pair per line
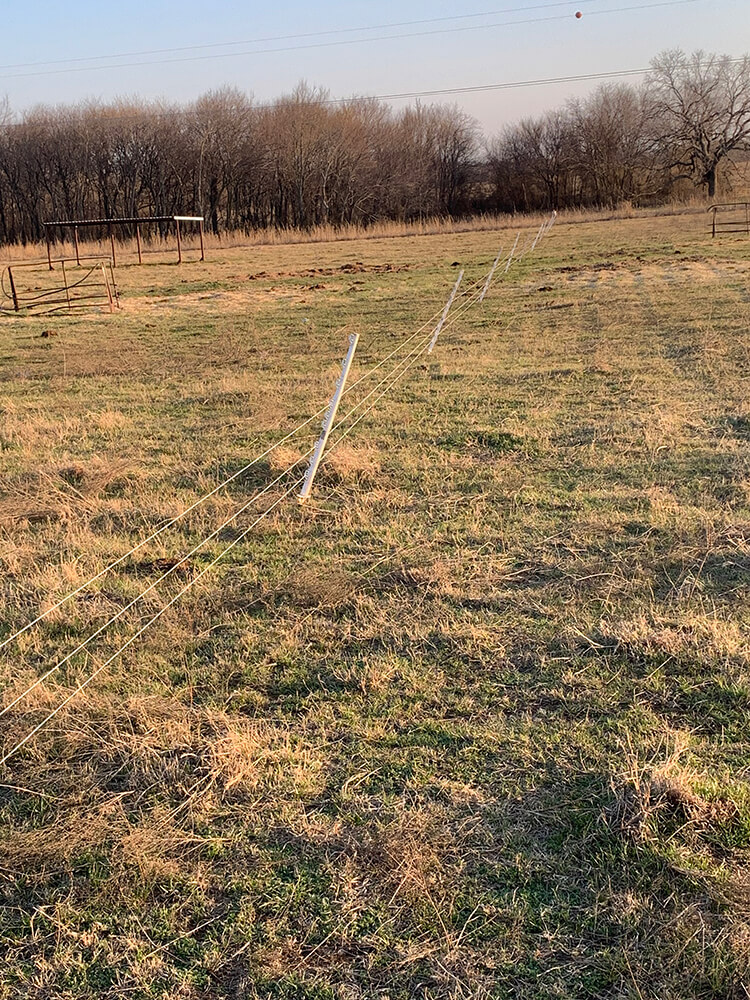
403, 95
282, 38
348, 41
539, 82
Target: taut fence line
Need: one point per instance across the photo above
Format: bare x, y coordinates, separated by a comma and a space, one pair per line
425, 337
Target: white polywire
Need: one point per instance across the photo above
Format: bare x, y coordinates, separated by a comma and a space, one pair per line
155, 617
413, 359
469, 301
232, 544
116, 562
160, 531
82, 645
201, 500
172, 569
84, 684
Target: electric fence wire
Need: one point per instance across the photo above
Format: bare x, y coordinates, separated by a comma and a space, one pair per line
391, 379
101, 667
201, 500
197, 503
216, 489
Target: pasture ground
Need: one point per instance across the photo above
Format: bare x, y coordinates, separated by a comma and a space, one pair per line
474, 721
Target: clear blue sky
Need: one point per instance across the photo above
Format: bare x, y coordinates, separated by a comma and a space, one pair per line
42, 31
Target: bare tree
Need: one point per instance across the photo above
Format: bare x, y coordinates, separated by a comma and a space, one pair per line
701, 109
531, 162
611, 144
454, 142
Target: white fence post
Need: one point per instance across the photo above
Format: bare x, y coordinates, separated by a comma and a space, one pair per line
328, 420
490, 276
512, 251
536, 238
443, 318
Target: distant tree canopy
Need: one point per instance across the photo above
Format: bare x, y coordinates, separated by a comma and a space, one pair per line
304, 160
701, 106
628, 143
299, 162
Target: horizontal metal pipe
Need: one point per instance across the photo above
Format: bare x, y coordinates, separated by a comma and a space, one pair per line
125, 221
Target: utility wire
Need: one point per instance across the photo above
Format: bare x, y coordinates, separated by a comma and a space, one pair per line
348, 41
283, 38
401, 95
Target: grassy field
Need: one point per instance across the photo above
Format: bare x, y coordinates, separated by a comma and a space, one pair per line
473, 722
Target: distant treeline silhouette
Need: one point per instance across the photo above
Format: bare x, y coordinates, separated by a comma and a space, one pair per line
304, 161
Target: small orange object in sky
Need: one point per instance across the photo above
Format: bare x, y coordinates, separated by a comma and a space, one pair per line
579, 14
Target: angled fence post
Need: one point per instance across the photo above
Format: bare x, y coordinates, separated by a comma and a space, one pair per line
512, 251
490, 275
13, 288
108, 289
443, 318
330, 416
538, 235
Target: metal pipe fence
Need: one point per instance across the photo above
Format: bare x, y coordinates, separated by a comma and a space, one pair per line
135, 223
96, 286
736, 218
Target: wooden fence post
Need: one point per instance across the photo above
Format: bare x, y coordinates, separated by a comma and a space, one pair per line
13, 289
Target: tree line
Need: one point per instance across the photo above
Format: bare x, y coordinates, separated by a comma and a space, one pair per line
304, 160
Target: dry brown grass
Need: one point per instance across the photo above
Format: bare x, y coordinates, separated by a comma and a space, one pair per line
165, 251
470, 723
